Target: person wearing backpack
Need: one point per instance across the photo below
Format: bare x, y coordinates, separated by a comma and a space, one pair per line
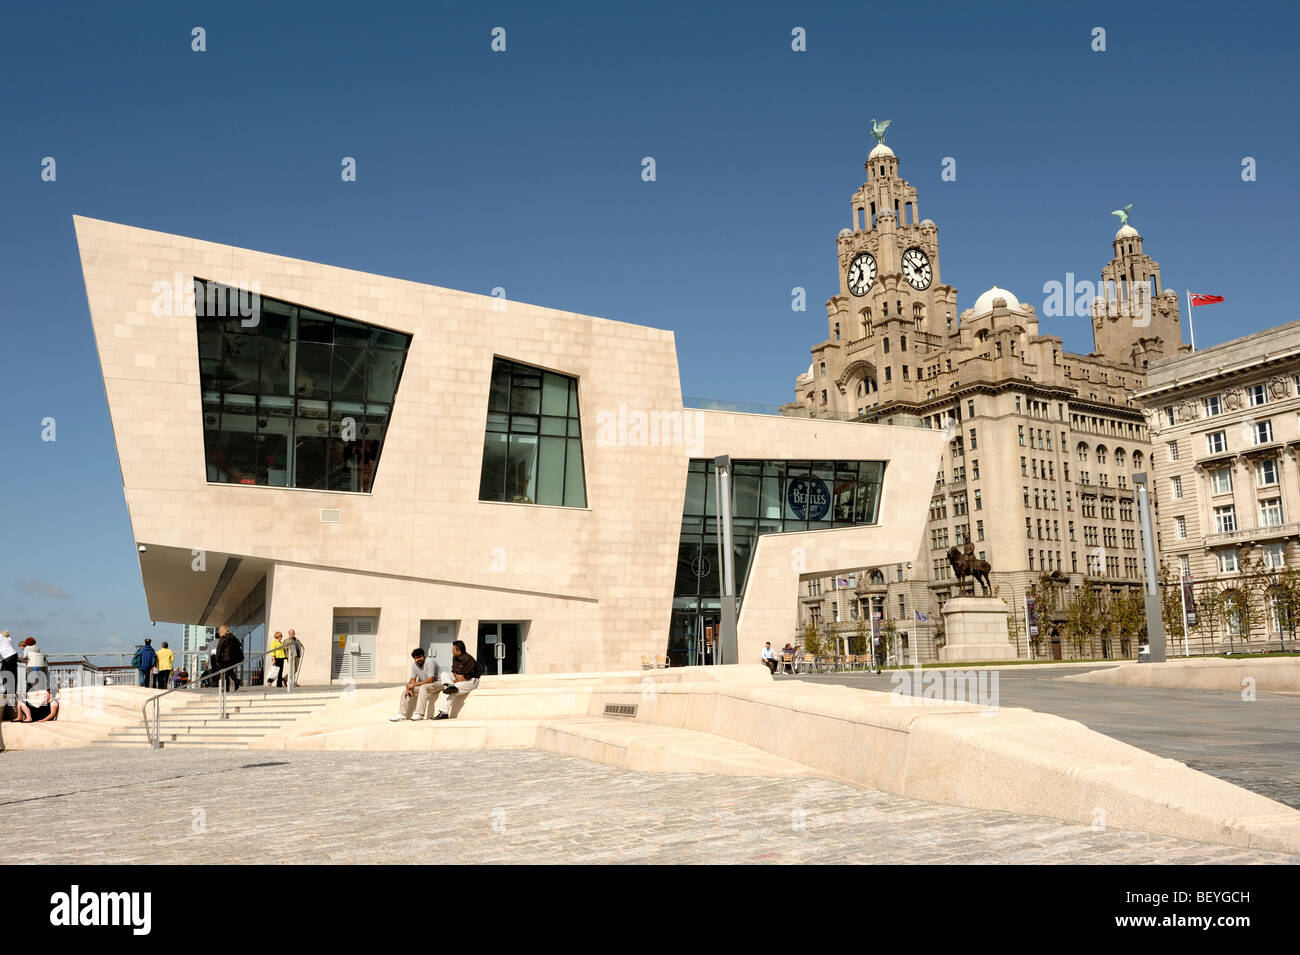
144, 660
229, 651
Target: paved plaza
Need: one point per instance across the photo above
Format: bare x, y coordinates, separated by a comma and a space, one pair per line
99, 806
1255, 745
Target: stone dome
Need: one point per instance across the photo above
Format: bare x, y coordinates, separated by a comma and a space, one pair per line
1126, 231
928, 224
880, 150
845, 233
984, 304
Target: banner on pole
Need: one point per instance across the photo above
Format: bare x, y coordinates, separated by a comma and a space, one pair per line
1031, 615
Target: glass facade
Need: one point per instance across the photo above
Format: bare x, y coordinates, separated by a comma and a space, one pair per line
532, 450
768, 497
293, 397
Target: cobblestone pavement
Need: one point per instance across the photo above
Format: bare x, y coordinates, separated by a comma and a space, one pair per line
113, 807
1253, 744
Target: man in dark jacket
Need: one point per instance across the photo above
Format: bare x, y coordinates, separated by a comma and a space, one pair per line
464, 679
144, 661
229, 651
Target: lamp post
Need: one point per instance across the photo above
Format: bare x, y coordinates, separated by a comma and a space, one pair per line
1151, 596
727, 649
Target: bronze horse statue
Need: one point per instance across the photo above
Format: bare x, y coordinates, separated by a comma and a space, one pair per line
968, 565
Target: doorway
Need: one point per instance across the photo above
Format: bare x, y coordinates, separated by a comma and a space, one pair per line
505, 634
436, 637
353, 656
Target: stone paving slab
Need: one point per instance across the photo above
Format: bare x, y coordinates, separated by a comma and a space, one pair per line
123, 807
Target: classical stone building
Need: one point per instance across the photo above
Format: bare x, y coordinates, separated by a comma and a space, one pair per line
1042, 441
1225, 429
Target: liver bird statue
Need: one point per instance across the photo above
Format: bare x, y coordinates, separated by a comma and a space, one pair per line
878, 130
1122, 214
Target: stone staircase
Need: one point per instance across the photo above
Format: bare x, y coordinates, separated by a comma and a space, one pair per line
251, 714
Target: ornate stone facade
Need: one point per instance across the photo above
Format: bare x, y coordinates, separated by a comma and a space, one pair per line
1042, 442
1225, 427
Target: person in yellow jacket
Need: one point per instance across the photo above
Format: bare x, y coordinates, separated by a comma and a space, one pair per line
166, 659
277, 659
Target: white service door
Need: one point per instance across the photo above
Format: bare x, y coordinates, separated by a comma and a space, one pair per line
436, 637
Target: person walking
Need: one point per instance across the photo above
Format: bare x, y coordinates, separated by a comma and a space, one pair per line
465, 674
210, 651
166, 661
293, 648
144, 661
277, 660
229, 652
8, 674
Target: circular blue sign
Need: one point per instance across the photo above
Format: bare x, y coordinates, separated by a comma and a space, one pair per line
808, 498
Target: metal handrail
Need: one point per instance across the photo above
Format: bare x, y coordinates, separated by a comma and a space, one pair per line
152, 730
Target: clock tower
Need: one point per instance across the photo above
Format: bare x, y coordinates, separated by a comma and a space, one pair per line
889, 260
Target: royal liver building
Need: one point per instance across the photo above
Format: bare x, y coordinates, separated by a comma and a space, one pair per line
1042, 440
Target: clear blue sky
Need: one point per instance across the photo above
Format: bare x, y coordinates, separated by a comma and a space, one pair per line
523, 170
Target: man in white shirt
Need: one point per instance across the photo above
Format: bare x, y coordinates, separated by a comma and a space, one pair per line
416, 694
770, 658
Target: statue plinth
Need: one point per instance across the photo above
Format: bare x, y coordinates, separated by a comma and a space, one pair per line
975, 628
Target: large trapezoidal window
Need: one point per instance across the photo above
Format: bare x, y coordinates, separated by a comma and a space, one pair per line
532, 452
292, 397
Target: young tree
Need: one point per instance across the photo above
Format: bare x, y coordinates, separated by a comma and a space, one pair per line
1127, 615
860, 640
1286, 598
1210, 613
1171, 605
1238, 614
888, 630
1082, 618
812, 644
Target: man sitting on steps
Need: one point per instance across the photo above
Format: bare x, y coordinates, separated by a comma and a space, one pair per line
424, 672
464, 676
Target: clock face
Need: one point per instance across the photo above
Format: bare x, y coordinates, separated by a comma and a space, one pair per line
916, 269
862, 273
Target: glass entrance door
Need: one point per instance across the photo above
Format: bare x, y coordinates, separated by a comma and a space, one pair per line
508, 635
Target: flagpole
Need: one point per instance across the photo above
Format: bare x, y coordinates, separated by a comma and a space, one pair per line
1191, 325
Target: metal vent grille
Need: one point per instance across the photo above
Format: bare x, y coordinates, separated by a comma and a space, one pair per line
330, 515
620, 709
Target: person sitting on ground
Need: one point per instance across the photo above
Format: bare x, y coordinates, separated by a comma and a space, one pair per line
424, 673
38, 707
465, 674
769, 657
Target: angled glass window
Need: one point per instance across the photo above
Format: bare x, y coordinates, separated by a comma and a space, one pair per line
532, 449
292, 397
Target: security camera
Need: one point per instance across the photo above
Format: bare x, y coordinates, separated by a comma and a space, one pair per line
143, 548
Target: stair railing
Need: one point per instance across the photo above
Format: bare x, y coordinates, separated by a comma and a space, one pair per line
150, 709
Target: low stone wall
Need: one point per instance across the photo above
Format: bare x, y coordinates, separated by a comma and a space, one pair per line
1261, 674
980, 757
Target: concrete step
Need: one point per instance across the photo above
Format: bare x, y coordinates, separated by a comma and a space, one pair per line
167, 743
648, 747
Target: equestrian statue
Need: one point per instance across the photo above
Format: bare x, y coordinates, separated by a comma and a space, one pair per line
966, 564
